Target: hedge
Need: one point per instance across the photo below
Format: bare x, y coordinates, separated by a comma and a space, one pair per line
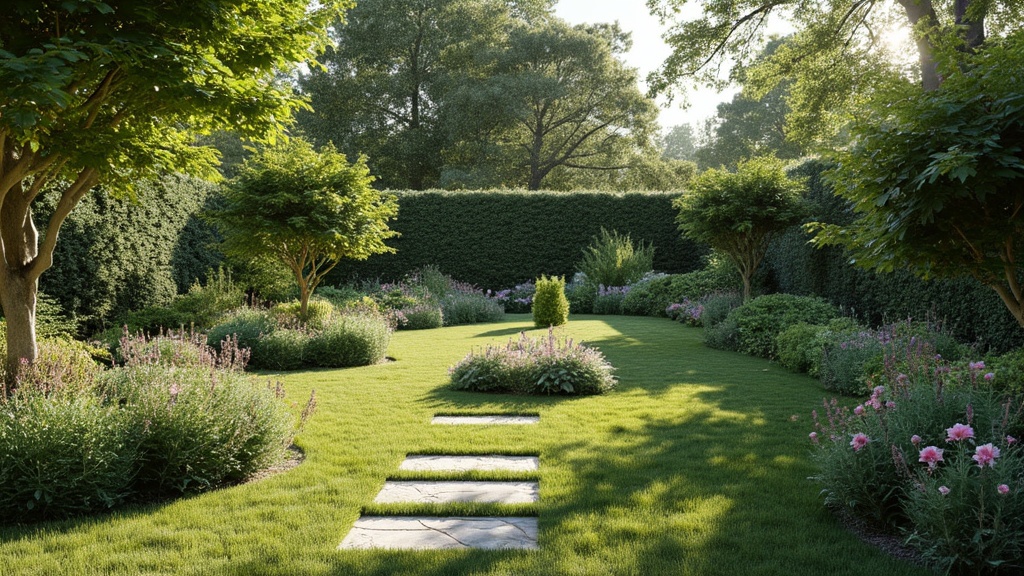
496, 239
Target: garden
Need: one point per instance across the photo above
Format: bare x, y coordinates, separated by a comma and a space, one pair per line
323, 303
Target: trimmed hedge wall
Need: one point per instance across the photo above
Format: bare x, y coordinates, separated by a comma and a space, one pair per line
496, 239
972, 312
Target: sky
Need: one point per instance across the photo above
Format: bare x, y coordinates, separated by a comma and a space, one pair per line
647, 54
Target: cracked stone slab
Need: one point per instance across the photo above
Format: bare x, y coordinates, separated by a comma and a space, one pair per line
494, 419
441, 463
425, 533
420, 492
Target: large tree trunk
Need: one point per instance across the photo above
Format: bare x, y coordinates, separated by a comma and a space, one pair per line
18, 298
918, 10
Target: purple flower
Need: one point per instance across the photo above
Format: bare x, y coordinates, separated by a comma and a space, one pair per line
943, 490
977, 365
990, 376
1003, 489
915, 440
859, 441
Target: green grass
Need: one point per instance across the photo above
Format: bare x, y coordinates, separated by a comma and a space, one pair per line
696, 464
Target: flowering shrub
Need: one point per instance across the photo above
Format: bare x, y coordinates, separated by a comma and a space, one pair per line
934, 454
608, 299
421, 317
687, 312
545, 365
516, 300
470, 306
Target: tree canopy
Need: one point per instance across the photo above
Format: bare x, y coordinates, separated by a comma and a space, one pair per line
308, 209
95, 92
738, 213
937, 178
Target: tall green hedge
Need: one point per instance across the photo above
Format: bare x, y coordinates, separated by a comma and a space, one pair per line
116, 255
971, 311
498, 238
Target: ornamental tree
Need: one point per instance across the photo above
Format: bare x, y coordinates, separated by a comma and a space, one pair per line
94, 92
738, 213
936, 178
306, 209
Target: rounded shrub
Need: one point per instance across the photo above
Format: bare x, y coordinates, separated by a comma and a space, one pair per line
612, 260
422, 317
318, 313
246, 324
550, 306
760, 321
720, 328
349, 340
581, 296
652, 296
282, 349
470, 308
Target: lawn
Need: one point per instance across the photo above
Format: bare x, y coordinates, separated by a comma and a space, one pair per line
696, 464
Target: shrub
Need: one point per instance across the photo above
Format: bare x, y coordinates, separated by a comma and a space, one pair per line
341, 296
720, 328
608, 299
204, 304
544, 365
581, 295
516, 300
318, 313
282, 349
245, 324
550, 306
470, 308
421, 317
185, 348
847, 359
886, 460
349, 340
762, 319
687, 312
63, 454
612, 260
651, 297
1009, 370
802, 345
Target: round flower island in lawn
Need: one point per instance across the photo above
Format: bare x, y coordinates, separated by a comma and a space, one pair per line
541, 365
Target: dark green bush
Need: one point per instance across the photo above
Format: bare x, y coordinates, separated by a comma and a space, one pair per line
526, 365
612, 260
1009, 371
470, 308
349, 340
581, 296
802, 345
281, 349
63, 454
761, 320
652, 297
848, 359
421, 317
246, 324
499, 238
550, 306
720, 328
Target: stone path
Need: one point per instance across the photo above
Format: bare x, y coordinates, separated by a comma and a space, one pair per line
433, 532
495, 419
395, 491
428, 533
425, 463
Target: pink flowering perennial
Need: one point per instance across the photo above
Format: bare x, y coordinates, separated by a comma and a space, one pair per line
931, 455
1003, 489
859, 441
943, 490
959, 432
985, 455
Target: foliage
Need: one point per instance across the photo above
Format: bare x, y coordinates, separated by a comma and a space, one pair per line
306, 208
739, 213
91, 94
902, 458
421, 317
847, 361
760, 320
244, 324
608, 299
612, 260
934, 177
802, 346
518, 299
353, 339
543, 365
580, 293
550, 306
652, 297
1010, 370
470, 308
282, 349
201, 307
318, 314
499, 238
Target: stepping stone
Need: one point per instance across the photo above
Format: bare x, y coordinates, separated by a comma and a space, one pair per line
423, 533
485, 419
431, 463
444, 492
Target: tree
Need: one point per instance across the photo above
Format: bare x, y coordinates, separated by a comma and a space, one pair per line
93, 92
839, 54
679, 143
305, 208
738, 213
937, 178
388, 73
556, 97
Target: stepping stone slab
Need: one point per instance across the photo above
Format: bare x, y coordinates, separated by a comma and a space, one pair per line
468, 463
443, 492
485, 420
423, 533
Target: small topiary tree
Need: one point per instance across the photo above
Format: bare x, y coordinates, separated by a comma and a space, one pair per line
550, 306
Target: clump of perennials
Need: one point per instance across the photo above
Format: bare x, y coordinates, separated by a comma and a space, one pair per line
535, 365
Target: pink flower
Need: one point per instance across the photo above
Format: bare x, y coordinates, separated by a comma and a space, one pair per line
859, 410
890, 404
1003, 489
990, 376
986, 454
959, 432
859, 441
915, 440
1010, 440
814, 437
977, 365
878, 391
874, 403
943, 490
931, 455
